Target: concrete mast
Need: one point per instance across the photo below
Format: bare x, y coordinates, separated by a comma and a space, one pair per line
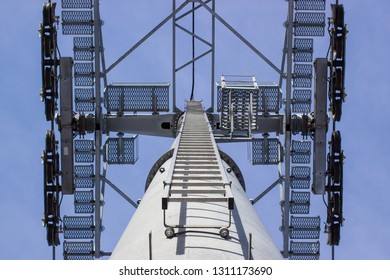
195, 207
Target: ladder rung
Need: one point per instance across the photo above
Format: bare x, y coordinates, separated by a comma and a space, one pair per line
196, 162
191, 142
198, 199
197, 148
198, 171
189, 177
190, 166
196, 156
196, 152
202, 133
196, 143
197, 191
195, 139
197, 183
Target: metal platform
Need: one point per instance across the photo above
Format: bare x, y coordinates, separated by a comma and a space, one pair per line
137, 98
239, 103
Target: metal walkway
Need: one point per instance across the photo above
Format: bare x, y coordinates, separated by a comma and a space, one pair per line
196, 173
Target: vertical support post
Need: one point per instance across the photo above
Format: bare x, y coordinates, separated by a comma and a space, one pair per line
250, 114
98, 133
320, 114
150, 246
287, 169
154, 101
175, 109
212, 56
121, 102
66, 112
250, 247
231, 113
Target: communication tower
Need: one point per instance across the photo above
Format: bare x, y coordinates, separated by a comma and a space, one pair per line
195, 192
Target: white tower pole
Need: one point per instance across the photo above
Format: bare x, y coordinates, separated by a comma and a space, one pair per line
197, 210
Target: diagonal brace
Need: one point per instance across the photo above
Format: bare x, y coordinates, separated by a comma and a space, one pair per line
273, 185
245, 41
115, 188
140, 42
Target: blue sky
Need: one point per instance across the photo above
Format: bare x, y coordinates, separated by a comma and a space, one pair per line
364, 126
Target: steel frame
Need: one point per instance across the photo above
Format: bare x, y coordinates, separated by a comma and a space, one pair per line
272, 123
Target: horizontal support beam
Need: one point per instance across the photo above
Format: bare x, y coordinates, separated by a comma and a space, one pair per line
265, 124
152, 125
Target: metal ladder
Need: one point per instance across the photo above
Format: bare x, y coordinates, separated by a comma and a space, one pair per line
196, 173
